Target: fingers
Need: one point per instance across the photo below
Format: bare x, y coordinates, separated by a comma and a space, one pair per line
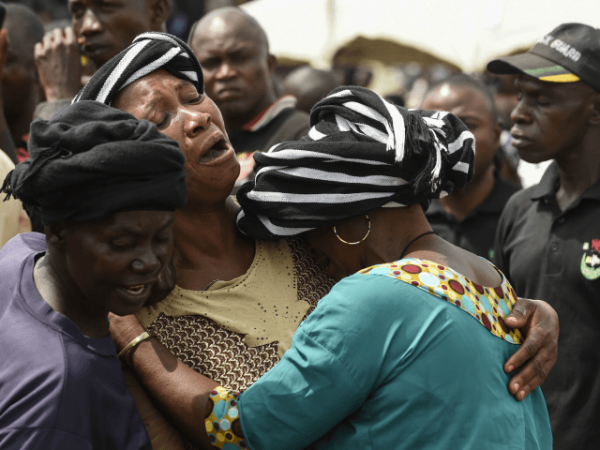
531, 376
519, 315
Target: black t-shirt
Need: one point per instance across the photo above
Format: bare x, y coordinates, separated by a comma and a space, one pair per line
554, 255
289, 125
476, 233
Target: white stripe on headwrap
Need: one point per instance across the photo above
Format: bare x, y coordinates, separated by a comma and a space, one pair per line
344, 93
315, 134
342, 123
458, 143
152, 66
393, 205
461, 167
116, 74
321, 175
373, 133
399, 129
157, 36
189, 73
372, 114
285, 197
280, 231
302, 154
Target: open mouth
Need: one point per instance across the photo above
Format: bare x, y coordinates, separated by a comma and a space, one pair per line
215, 151
135, 290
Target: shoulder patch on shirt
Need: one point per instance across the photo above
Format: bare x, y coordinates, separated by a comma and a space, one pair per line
590, 261
489, 306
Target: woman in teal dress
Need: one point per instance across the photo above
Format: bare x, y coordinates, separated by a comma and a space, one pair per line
407, 349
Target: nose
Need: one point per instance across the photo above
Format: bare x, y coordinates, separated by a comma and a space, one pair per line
148, 260
194, 122
521, 113
226, 70
90, 23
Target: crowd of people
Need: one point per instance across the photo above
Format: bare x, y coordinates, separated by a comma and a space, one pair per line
224, 258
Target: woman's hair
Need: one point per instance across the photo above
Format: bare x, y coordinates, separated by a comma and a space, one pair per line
148, 52
361, 154
91, 161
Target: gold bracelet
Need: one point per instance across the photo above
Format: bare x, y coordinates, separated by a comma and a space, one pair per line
145, 335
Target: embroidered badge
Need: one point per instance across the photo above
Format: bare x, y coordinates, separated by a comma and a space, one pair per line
489, 306
590, 261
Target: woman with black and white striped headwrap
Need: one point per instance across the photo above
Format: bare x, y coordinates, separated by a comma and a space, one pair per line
361, 154
410, 330
147, 53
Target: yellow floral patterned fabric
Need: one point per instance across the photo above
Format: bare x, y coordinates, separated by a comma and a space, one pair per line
220, 419
489, 305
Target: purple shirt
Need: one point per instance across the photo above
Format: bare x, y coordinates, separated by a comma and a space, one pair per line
58, 388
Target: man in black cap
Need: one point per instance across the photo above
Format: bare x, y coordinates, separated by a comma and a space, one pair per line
548, 240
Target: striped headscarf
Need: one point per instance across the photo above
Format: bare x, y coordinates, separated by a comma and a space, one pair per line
147, 53
361, 154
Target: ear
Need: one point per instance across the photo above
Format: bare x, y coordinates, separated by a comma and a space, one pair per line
55, 235
271, 63
594, 118
497, 130
159, 13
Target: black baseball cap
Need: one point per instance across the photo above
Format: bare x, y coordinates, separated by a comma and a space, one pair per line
570, 53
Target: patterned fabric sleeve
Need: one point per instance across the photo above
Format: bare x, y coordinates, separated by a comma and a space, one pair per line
221, 418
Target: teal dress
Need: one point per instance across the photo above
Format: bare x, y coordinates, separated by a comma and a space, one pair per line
406, 355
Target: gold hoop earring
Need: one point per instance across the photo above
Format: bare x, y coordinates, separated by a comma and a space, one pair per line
357, 242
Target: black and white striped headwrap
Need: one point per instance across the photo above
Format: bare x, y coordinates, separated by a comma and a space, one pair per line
361, 154
147, 53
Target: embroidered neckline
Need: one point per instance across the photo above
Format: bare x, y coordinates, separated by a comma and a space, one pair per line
489, 305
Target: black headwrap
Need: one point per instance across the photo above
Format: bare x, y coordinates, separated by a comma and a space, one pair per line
90, 161
361, 154
148, 52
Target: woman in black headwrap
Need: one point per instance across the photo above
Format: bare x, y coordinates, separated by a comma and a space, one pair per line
106, 187
238, 300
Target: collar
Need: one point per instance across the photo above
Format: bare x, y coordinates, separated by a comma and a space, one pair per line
550, 182
272, 111
548, 185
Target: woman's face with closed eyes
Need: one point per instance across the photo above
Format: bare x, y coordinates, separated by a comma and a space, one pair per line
195, 122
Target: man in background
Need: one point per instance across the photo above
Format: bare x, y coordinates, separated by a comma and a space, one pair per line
469, 217
548, 241
234, 53
102, 30
20, 87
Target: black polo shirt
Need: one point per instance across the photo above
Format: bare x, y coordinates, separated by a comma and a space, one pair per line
554, 255
476, 233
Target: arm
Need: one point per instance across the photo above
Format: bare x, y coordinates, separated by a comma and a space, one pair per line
537, 355
180, 393
309, 374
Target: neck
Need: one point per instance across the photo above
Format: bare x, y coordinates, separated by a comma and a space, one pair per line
237, 122
579, 169
209, 246
388, 242
463, 201
58, 290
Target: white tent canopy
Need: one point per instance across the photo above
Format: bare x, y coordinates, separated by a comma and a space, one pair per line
466, 33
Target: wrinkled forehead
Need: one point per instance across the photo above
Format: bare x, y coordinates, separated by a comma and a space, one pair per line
158, 87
